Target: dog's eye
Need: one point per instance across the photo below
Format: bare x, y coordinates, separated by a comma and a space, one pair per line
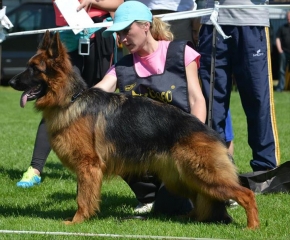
34, 70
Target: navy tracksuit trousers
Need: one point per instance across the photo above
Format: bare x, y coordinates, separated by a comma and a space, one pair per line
244, 56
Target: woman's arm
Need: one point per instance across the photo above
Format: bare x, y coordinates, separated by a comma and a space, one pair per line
108, 83
195, 96
107, 5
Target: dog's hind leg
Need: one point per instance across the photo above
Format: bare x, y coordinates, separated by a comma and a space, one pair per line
246, 198
89, 182
210, 173
209, 206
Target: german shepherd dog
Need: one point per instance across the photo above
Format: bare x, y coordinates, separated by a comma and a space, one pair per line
95, 133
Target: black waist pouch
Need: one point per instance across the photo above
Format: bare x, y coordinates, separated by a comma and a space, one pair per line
272, 181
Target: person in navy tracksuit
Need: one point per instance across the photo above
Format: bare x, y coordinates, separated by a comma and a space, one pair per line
246, 57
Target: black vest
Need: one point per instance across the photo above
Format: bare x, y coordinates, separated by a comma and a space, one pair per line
169, 87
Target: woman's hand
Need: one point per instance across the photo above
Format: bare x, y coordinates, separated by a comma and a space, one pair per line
106, 5
86, 4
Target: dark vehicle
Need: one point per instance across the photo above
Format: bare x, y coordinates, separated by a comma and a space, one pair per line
16, 50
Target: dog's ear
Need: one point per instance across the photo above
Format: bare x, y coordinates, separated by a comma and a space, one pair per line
44, 45
57, 47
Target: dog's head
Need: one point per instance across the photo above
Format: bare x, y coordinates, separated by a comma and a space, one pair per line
51, 62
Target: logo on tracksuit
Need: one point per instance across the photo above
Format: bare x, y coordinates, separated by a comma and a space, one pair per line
258, 54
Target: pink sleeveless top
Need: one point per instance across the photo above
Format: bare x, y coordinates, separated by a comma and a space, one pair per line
155, 62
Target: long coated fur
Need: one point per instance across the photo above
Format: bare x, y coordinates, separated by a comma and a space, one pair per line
96, 134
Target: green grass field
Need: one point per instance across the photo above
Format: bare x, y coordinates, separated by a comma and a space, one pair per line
43, 208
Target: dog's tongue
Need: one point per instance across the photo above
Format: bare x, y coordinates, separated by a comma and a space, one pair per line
23, 100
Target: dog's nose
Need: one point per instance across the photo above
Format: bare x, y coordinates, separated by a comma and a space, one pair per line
12, 82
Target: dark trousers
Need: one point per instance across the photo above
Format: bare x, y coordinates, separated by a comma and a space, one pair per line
245, 56
145, 188
284, 59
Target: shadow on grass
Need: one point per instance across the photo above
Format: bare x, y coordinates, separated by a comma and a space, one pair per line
52, 170
55, 204
56, 171
112, 205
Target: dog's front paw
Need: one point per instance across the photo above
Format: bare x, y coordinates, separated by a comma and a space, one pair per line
68, 221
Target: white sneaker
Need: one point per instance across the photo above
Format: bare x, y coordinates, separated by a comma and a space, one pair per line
143, 208
232, 204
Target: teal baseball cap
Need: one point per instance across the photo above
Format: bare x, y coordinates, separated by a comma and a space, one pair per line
126, 14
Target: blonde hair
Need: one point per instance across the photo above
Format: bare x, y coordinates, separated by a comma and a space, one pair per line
160, 30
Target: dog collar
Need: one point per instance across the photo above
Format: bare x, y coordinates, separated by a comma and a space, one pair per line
75, 96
